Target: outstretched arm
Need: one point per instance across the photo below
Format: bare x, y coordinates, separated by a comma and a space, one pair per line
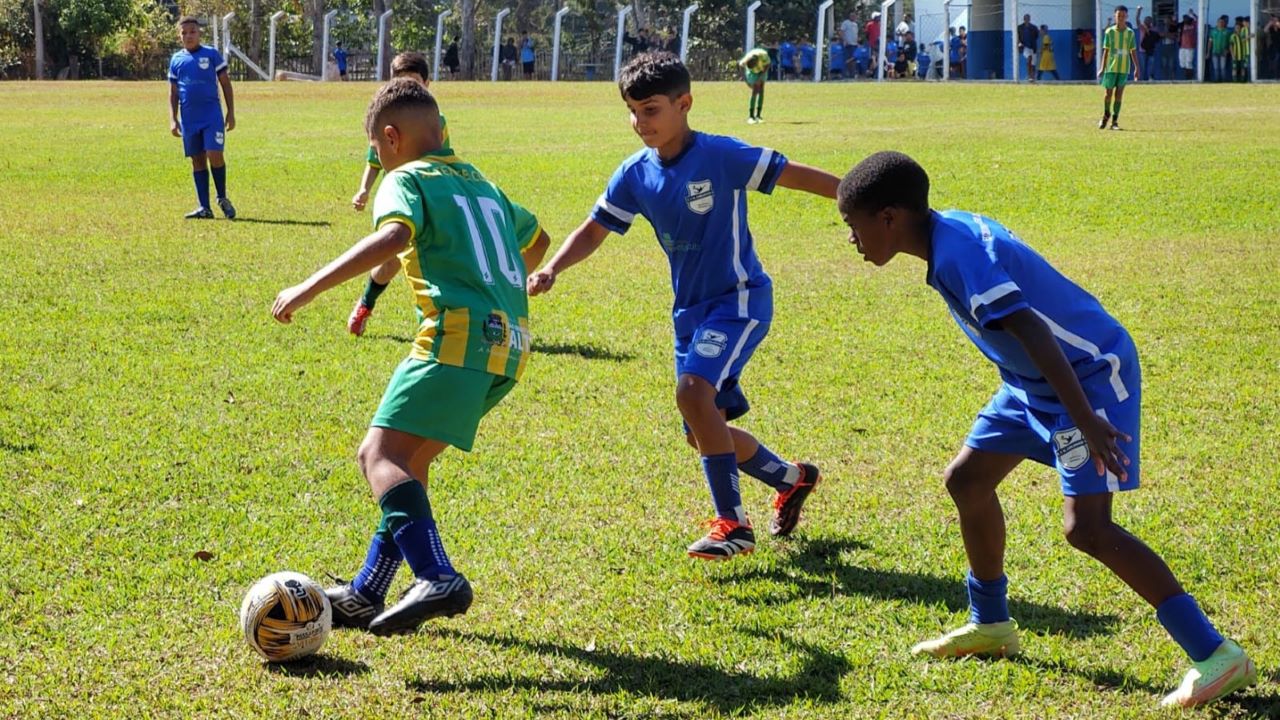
1043, 349
809, 179
369, 253
576, 248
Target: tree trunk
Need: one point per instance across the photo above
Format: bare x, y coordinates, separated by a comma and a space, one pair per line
255, 31
467, 48
641, 16
315, 12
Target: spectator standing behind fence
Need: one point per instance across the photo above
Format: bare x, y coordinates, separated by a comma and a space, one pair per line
903, 28
1028, 43
526, 56
1219, 46
959, 51
340, 57
848, 37
911, 50
1047, 62
1240, 49
451, 57
787, 59
1187, 42
1084, 39
808, 53
1168, 51
873, 38
507, 54
1273, 46
1148, 43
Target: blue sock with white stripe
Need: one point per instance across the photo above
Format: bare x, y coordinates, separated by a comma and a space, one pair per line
770, 469
380, 566
1182, 617
722, 478
407, 514
988, 599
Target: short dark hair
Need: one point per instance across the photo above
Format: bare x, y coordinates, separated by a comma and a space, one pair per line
411, 62
188, 20
399, 94
885, 179
1121, 8
654, 73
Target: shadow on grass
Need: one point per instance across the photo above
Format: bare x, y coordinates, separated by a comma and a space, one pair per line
271, 221
824, 573
1257, 702
588, 352
16, 448
730, 692
319, 665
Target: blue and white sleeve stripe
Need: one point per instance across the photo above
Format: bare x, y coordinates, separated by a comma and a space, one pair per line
765, 176
612, 217
998, 302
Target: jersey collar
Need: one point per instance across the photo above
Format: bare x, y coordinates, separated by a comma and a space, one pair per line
934, 220
694, 137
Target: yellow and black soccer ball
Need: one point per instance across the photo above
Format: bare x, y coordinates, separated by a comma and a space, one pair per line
285, 616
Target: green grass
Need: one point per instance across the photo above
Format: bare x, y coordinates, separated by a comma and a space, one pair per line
151, 409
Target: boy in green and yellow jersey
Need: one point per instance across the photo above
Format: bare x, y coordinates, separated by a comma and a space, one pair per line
466, 250
755, 69
1240, 49
412, 65
1119, 57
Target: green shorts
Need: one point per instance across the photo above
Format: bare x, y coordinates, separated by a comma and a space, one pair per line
751, 78
1114, 80
440, 402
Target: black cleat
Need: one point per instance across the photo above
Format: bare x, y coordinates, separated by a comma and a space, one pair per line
350, 608
787, 504
1102, 124
425, 599
200, 213
1115, 125
227, 208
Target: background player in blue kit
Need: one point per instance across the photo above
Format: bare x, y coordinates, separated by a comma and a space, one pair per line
692, 188
1070, 399
195, 72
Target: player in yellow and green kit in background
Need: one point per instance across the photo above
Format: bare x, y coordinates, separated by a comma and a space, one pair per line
1119, 58
755, 69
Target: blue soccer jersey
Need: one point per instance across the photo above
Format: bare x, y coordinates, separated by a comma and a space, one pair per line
986, 273
196, 75
697, 205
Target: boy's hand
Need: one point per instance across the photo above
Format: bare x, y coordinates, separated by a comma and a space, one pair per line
175, 129
360, 199
231, 121
289, 301
1107, 455
540, 282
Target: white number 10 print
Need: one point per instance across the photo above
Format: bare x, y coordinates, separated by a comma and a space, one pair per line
494, 220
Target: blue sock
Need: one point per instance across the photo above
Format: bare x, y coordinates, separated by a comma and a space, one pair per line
202, 187
988, 599
1188, 626
407, 515
380, 566
722, 478
219, 180
770, 469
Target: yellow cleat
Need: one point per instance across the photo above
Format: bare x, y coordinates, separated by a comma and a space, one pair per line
1228, 669
989, 640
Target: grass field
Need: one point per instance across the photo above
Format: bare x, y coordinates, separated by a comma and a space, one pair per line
151, 409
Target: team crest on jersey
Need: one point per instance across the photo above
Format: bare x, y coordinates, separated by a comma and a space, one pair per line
1072, 450
219, 137
495, 330
204, 63
700, 197
711, 343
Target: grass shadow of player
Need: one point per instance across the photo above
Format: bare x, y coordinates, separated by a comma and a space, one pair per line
728, 691
582, 350
823, 571
1257, 702
319, 666
272, 221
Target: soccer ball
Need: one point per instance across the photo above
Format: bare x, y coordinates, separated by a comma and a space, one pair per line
285, 616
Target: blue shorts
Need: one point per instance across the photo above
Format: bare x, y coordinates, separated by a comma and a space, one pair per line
1006, 425
717, 352
197, 139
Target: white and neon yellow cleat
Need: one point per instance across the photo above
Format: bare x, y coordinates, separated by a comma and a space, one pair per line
1227, 670
989, 640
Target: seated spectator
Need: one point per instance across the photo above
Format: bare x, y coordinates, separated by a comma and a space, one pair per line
910, 49
900, 67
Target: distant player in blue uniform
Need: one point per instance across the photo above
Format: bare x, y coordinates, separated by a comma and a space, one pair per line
1069, 399
340, 57
195, 72
692, 188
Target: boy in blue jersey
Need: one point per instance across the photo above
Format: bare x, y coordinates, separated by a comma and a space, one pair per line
692, 188
1070, 399
195, 72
